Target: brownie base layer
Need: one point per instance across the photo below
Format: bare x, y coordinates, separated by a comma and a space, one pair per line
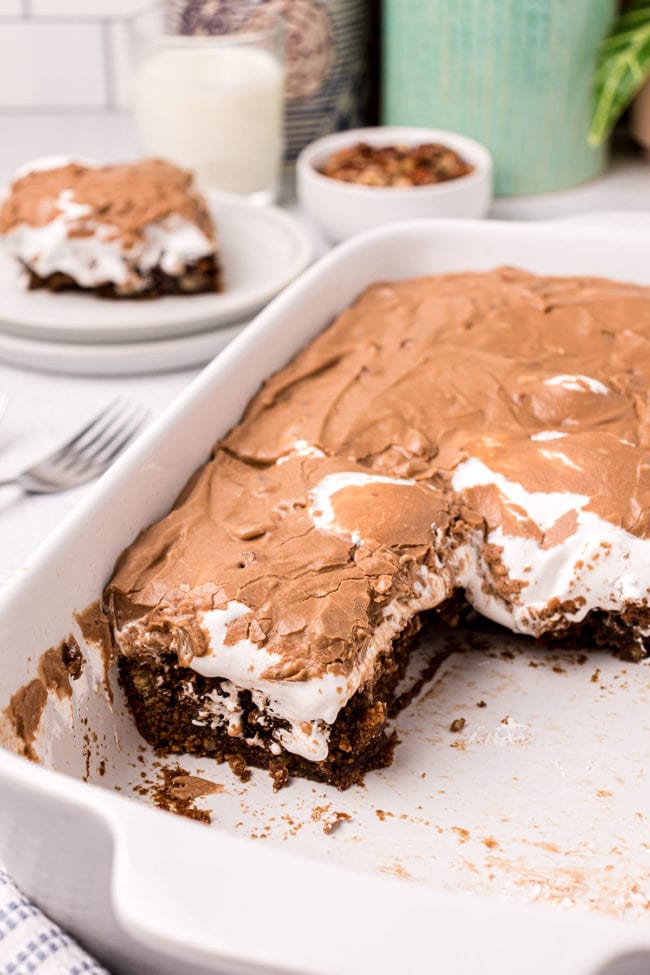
619, 633
165, 715
625, 634
200, 278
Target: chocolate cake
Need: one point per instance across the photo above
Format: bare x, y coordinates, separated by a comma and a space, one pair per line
138, 230
480, 437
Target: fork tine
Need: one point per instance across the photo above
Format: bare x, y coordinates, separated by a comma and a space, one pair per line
88, 453
79, 455
100, 459
112, 426
126, 439
70, 444
135, 415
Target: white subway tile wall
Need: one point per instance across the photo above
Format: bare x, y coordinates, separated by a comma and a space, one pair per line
11, 8
120, 69
71, 55
82, 8
51, 65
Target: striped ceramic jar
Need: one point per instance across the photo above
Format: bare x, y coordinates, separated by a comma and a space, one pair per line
326, 56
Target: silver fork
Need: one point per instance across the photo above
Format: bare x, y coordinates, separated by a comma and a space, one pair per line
87, 455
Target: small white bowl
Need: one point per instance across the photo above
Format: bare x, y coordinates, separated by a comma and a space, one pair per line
345, 209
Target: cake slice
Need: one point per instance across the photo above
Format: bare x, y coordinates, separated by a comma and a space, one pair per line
481, 437
136, 230
245, 632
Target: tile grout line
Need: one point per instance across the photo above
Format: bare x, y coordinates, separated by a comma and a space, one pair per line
15, 111
109, 65
49, 20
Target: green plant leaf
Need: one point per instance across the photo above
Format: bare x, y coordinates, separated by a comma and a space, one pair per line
622, 68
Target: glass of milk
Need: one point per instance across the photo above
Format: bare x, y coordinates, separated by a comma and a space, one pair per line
214, 104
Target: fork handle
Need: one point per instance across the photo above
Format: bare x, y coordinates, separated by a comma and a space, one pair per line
6, 481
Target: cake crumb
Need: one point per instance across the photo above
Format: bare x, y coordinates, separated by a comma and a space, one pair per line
279, 774
176, 791
382, 814
397, 869
318, 812
595, 677
335, 820
481, 704
239, 768
457, 725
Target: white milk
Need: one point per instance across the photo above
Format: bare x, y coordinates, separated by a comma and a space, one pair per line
216, 110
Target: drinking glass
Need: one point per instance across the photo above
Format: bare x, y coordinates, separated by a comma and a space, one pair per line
213, 103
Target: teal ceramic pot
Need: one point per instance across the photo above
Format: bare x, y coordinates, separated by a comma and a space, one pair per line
514, 74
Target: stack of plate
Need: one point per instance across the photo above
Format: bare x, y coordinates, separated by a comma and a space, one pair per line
262, 249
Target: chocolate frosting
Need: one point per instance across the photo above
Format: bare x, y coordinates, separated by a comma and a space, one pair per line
60, 665
124, 197
546, 381
57, 667
25, 711
245, 533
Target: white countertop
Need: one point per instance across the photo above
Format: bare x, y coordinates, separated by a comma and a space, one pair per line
45, 409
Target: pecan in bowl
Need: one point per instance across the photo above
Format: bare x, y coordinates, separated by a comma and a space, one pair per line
398, 165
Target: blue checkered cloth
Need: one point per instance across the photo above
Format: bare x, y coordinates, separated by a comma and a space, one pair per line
31, 944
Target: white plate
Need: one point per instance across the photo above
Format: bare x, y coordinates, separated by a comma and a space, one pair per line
262, 250
547, 803
116, 358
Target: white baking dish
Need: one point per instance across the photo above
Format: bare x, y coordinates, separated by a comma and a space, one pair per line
545, 800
